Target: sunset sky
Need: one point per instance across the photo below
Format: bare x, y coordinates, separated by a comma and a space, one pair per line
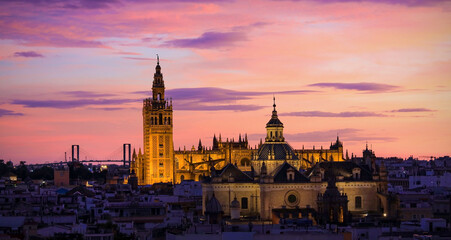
75, 72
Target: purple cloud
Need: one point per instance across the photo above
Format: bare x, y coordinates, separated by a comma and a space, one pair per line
185, 99
208, 40
74, 4
67, 104
211, 94
216, 99
362, 86
331, 114
109, 108
86, 94
409, 3
409, 110
5, 112
197, 106
140, 58
28, 54
346, 135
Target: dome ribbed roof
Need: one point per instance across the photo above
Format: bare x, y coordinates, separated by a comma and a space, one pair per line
281, 151
274, 121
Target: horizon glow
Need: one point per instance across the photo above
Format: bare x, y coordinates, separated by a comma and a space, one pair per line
75, 72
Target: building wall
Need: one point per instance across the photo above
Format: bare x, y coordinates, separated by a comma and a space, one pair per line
61, 177
274, 195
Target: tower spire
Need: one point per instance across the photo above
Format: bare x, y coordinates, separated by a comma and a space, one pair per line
274, 103
158, 59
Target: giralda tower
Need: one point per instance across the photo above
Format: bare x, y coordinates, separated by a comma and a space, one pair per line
158, 160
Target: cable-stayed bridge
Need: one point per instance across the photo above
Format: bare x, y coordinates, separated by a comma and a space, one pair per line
120, 155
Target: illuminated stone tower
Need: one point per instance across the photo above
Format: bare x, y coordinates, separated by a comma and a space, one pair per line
158, 161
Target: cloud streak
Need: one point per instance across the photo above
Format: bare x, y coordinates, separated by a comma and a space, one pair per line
68, 104
345, 134
5, 112
86, 94
362, 86
412, 110
208, 40
211, 94
332, 114
409, 3
29, 54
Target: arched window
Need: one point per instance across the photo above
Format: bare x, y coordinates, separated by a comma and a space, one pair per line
182, 178
358, 202
169, 121
151, 121
160, 117
159, 96
244, 203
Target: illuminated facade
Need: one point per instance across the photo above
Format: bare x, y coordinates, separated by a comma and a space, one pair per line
156, 164
277, 182
160, 163
195, 163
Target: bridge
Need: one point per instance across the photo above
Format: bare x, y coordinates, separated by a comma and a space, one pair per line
75, 157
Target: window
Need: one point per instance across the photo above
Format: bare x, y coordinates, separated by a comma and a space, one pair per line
160, 117
358, 202
182, 178
244, 204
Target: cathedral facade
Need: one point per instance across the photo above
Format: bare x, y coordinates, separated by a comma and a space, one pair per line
195, 163
263, 181
159, 162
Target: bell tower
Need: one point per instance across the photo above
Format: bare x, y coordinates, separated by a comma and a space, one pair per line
158, 162
274, 128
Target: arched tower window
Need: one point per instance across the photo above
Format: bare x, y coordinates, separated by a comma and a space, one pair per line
159, 96
169, 121
151, 121
160, 117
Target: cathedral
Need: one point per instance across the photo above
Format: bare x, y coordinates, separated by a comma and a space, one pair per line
266, 180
